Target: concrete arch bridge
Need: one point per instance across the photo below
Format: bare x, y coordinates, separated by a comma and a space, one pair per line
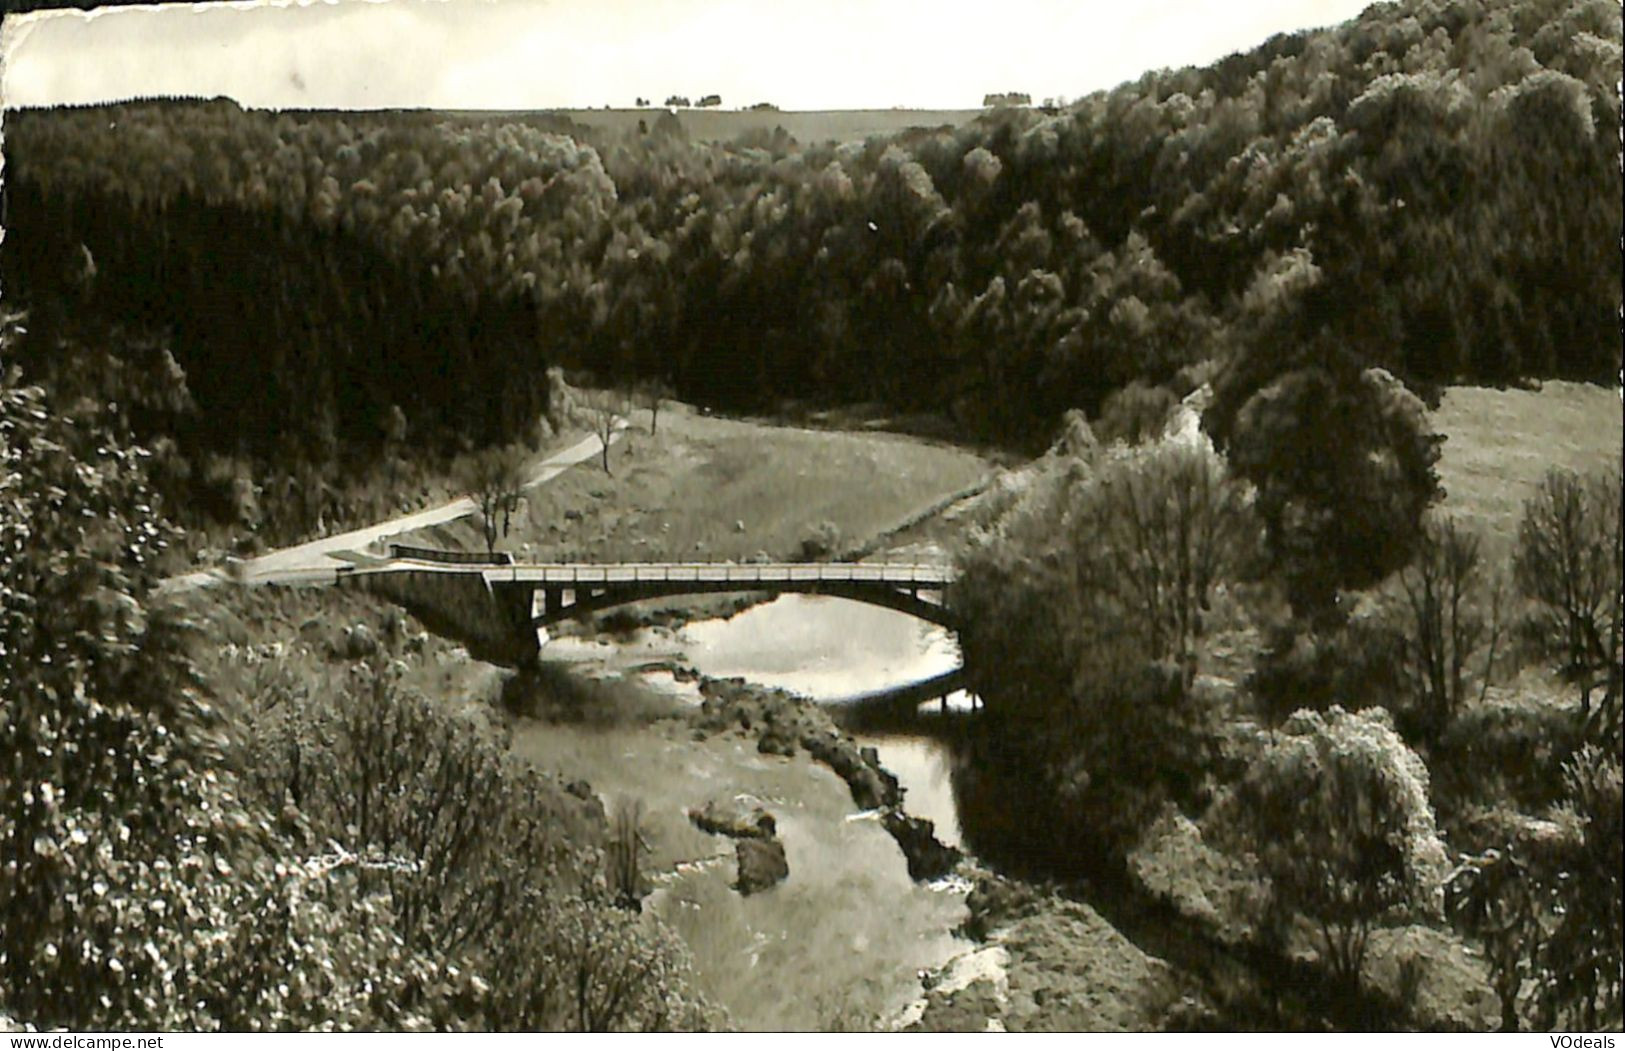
496, 607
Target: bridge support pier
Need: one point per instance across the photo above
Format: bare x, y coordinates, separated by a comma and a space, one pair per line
513, 605
492, 621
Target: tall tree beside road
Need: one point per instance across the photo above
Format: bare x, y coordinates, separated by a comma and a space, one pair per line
605, 408
496, 479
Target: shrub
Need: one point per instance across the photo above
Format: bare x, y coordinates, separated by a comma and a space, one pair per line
1582, 965
1546, 905
456, 829
1337, 812
1512, 750
1297, 670
583, 965
550, 692
1075, 437
1302, 668
488, 867
821, 542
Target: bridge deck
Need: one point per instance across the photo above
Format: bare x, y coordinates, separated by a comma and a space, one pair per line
499, 607
912, 574
721, 572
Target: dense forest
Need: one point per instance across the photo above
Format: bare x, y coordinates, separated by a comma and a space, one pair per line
1432, 188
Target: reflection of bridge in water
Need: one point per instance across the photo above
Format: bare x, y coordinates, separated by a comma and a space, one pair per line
899, 708
495, 607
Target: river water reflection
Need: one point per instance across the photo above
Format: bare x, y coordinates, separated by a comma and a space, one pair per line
828, 649
834, 650
849, 930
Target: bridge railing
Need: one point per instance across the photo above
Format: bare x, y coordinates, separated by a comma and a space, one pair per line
923, 574
433, 554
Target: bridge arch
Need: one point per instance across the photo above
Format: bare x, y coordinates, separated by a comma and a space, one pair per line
496, 608
560, 603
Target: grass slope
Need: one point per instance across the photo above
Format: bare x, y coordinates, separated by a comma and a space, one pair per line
1500, 443
807, 126
710, 489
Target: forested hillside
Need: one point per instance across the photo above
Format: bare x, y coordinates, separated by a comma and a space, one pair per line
1433, 188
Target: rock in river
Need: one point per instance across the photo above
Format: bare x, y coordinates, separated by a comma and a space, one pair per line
741, 817
928, 858
761, 864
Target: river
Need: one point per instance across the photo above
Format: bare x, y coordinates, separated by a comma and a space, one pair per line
830, 650
848, 931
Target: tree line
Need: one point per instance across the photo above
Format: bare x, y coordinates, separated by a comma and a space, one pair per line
1443, 170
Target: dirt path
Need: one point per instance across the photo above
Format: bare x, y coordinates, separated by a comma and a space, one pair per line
319, 561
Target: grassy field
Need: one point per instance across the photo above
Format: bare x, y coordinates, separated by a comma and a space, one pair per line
710, 489
721, 125
1500, 443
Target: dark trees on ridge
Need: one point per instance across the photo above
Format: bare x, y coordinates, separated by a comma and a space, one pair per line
1005, 270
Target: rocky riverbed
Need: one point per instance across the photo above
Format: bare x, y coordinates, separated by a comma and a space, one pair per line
846, 926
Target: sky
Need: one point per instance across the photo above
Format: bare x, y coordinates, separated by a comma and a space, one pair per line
535, 54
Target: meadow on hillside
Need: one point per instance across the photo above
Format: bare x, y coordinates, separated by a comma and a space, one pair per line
727, 125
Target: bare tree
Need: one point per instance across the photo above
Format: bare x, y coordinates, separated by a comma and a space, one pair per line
1568, 561
626, 851
649, 395
606, 408
495, 480
1170, 524
1444, 621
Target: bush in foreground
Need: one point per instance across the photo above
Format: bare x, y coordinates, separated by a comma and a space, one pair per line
1337, 812
490, 866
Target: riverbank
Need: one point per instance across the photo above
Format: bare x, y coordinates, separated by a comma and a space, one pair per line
1046, 964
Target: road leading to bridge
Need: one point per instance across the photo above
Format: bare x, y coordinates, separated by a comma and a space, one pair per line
320, 561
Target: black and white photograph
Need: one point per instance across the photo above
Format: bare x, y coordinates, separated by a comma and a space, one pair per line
867, 516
